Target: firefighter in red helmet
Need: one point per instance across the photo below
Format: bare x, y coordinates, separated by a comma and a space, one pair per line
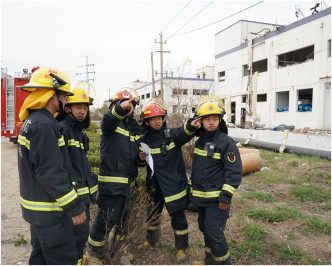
118, 167
167, 184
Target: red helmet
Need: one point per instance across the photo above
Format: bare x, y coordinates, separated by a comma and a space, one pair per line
153, 110
125, 93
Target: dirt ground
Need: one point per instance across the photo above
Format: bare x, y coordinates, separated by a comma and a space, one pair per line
12, 222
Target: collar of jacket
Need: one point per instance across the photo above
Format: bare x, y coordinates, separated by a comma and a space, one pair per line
74, 123
155, 132
209, 136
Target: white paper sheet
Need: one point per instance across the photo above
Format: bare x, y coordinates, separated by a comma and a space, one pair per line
148, 158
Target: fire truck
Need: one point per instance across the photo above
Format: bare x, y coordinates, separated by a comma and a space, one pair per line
12, 99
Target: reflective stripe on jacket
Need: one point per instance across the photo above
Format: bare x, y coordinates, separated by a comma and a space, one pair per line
83, 180
215, 178
169, 166
118, 152
47, 196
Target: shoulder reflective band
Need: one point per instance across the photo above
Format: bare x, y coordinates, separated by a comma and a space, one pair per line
158, 150
229, 188
96, 243
222, 258
24, 141
216, 155
203, 194
176, 196
40, 206
93, 189
186, 130
61, 142
116, 114
113, 179
76, 143
69, 197
181, 232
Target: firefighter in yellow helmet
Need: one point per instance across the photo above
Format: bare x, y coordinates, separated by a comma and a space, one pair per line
76, 121
167, 182
118, 169
49, 202
216, 173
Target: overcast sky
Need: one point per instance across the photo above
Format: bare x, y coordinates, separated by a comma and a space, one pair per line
118, 36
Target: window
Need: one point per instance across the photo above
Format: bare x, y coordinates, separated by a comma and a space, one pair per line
184, 110
233, 111
148, 95
221, 76
296, 56
282, 101
304, 100
185, 92
175, 108
245, 70
142, 97
261, 97
259, 66
329, 48
244, 99
198, 76
203, 75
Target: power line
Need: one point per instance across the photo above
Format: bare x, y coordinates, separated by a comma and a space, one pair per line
192, 18
215, 21
175, 17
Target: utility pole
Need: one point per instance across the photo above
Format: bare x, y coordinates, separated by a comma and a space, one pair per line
87, 72
161, 65
153, 85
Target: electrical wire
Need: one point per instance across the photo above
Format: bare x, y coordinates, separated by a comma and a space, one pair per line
191, 19
215, 21
175, 17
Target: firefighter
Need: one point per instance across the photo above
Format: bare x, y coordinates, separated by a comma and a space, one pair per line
118, 168
168, 184
77, 120
49, 202
216, 173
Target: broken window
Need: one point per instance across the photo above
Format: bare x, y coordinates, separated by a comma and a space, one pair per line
296, 56
221, 76
261, 97
304, 100
245, 70
282, 101
259, 66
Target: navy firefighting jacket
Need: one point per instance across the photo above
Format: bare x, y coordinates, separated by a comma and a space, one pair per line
216, 169
169, 166
84, 181
47, 196
118, 152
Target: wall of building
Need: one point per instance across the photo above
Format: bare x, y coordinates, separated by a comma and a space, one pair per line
312, 74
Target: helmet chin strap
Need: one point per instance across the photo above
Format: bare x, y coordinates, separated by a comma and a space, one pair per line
70, 111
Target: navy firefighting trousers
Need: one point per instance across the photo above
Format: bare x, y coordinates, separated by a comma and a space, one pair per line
114, 210
178, 220
54, 244
212, 222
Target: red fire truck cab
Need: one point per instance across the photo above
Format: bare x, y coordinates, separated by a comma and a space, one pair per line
12, 99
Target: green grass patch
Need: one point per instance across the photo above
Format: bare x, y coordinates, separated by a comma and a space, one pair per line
265, 197
292, 255
311, 193
168, 247
277, 214
255, 232
253, 249
318, 225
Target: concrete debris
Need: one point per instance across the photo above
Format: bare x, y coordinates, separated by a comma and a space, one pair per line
124, 261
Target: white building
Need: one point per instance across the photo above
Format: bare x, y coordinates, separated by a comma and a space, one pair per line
292, 84
180, 94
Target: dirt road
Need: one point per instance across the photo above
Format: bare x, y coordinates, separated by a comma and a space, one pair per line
12, 223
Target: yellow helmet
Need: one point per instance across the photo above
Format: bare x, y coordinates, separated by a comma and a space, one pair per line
80, 96
209, 108
48, 78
